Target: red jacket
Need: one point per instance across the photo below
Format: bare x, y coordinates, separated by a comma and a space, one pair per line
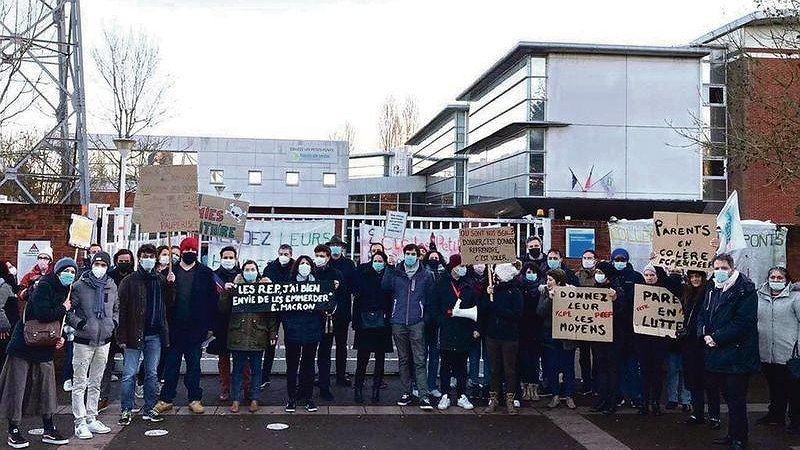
31, 277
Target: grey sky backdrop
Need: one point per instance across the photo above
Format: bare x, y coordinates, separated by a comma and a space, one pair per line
299, 69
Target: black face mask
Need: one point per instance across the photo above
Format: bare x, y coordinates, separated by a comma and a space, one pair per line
189, 258
125, 267
535, 252
433, 263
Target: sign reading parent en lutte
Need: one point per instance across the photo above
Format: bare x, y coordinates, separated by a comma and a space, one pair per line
656, 312
166, 199
222, 217
395, 224
683, 240
583, 314
490, 245
275, 297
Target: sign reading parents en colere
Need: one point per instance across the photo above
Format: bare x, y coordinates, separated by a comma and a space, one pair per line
275, 297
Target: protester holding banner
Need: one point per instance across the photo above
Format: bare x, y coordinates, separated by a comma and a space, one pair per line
28, 371
607, 354
693, 352
778, 323
226, 273
560, 353
372, 307
190, 322
530, 338
248, 334
335, 326
504, 313
302, 332
454, 292
586, 278
94, 316
630, 377
412, 287
278, 270
434, 261
729, 325
479, 277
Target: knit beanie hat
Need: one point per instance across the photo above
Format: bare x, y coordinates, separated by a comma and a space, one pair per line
102, 256
455, 260
189, 244
63, 263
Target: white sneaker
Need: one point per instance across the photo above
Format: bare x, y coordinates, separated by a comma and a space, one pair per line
82, 431
114, 378
139, 391
444, 403
516, 404
436, 393
463, 402
98, 427
415, 393
67, 385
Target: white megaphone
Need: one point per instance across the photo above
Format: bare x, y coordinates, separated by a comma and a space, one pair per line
468, 313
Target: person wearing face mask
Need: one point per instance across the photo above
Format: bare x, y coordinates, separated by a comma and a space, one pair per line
778, 323
144, 298
534, 253
530, 338
344, 295
43, 262
606, 354
86, 265
453, 289
586, 279
247, 337
227, 272
302, 333
28, 371
555, 260
94, 316
630, 377
434, 261
412, 287
191, 320
479, 277
504, 313
123, 265
278, 270
729, 326
162, 259
372, 307
336, 324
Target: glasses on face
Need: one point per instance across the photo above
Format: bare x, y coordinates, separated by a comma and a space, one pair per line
553, 258
43, 258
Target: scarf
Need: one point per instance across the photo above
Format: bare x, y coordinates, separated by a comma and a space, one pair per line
411, 271
99, 286
153, 294
300, 278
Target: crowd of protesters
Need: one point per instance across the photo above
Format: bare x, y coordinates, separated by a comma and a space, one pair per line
162, 306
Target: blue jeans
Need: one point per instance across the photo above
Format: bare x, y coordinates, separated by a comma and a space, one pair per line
68, 351
151, 348
676, 389
432, 352
172, 370
240, 359
561, 361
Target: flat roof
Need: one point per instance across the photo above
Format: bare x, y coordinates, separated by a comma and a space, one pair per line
435, 123
754, 18
525, 48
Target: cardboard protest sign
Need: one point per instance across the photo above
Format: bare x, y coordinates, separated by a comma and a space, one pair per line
222, 217
583, 314
80, 232
166, 199
656, 312
395, 224
275, 297
495, 245
683, 240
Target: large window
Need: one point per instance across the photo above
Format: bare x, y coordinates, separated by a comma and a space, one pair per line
715, 121
378, 204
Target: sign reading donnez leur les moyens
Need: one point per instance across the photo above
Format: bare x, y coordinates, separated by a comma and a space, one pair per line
488, 245
583, 314
281, 297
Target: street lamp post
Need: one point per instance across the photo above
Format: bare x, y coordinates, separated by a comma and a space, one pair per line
124, 146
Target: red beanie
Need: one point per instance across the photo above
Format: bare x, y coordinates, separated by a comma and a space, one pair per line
455, 260
189, 243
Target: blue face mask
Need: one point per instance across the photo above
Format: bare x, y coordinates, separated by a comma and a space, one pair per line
250, 276
378, 266
410, 260
531, 276
553, 264
66, 278
620, 265
147, 263
461, 271
721, 276
777, 285
336, 250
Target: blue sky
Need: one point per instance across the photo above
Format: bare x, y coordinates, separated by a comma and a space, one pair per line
299, 69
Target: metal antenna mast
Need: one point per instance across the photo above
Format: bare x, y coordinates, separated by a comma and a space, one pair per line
41, 53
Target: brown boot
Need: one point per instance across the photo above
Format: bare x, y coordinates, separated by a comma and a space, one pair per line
492, 407
512, 411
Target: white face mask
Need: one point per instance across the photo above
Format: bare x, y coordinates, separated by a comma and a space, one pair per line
228, 264
320, 261
163, 260
588, 263
479, 268
304, 270
99, 271
600, 277
13, 271
283, 259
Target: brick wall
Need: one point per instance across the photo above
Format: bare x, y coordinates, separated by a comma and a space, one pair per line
35, 222
793, 251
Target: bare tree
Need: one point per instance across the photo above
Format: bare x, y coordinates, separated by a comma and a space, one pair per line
15, 146
345, 133
396, 123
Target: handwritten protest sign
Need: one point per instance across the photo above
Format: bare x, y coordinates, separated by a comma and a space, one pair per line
222, 217
166, 199
583, 314
496, 245
395, 224
683, 240
274, 297
656, 312
80, 232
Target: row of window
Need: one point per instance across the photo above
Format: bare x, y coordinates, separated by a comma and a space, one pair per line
254, 178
